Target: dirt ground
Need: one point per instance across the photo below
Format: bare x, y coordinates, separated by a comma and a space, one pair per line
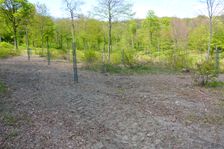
43, 108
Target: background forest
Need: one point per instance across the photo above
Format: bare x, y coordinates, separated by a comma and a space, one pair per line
167, 42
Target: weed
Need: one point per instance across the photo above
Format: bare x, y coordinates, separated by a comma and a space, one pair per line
2, 88
9, 119
215, 84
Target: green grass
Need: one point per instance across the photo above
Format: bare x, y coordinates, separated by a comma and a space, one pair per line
215, 84
9, 119
211, 119
140, 69
2, 88
7, 50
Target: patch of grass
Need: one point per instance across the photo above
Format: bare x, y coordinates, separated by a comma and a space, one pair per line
140, 69
7, 50
2, 88
9, 119
215, 84
205, 119
12, 135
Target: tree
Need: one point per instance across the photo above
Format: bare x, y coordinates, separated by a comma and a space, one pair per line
41, 19
14, 11
73, 7
179, 36
4, 31
152, 25
111, 10
29, 12
214, 7
133, 31
64, 30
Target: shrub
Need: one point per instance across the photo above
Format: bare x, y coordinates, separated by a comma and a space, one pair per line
205, 72
115, 58
6, 50
129, 59
89, 57
6, 45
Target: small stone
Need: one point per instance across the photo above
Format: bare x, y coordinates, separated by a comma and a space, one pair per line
98, 145
150, 134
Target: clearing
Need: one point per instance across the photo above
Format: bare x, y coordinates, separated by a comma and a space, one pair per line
43, 108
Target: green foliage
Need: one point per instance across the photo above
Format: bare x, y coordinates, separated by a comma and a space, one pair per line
215, 84
6, 45
137, 69
205, 73
129, 59
6, 50
90, 57
179, 60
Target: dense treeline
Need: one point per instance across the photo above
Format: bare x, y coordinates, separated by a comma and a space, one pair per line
179, 43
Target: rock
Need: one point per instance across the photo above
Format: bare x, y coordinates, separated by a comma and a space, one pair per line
150, 134
98, 145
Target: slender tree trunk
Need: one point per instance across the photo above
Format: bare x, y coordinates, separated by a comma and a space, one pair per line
42, 39
48, 52
61, 42
109, 37
42, 44
0, 38
210, 36
68, 51
103, 54
15, 37
123, 61
74, 51
27, 44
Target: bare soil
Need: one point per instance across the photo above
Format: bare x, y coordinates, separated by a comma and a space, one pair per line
43, 108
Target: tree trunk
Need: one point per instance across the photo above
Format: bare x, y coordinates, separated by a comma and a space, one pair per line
109, 38
42, 44
27, 44
74, 51
123, 61
15, 37
0, 38
61, 42
68, 51
210, 36
48, 52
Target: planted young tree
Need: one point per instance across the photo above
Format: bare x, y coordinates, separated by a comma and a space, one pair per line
73, 7
14, 11
111, 10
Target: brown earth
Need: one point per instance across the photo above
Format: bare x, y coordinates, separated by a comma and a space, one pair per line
43, 108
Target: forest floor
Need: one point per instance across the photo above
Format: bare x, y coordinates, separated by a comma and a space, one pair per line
43, 108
